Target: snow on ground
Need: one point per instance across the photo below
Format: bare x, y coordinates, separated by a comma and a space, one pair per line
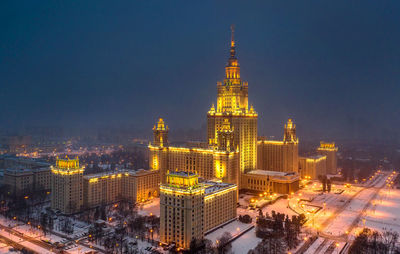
245, 242
280, 206
152, 208
34, 232
234, 227
5, 249
79, 250
314, 246
343, 221
326, 246
26, 244
9, 223
385, 213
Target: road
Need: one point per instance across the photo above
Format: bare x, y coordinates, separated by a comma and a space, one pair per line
14, 234
328, 245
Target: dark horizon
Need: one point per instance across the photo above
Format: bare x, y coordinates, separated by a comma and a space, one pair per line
332, 67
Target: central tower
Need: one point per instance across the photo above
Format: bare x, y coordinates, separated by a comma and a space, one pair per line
233, 110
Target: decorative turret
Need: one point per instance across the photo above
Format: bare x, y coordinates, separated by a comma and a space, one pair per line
160, 132
182, 179
289, 135
212, 109
67, 163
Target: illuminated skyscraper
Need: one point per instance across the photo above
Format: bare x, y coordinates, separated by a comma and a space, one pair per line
67, 185
230, 153
233, 110
188, 209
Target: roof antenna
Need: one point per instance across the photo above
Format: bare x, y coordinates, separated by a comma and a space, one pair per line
233, 35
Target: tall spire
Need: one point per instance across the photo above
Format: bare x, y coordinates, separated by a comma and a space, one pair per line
232, 69
233, 51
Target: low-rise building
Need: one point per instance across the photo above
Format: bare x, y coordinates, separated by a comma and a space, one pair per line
271, 181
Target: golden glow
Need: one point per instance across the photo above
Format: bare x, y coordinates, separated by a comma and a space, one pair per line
186, 149
68, 172
220, 169
160, 125
182, 179
327, 146
67, 163
181, 191
155, 162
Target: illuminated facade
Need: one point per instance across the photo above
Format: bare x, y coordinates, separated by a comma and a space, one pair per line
109, 187
72, 191
233, 112
271, 181
330, 151
312, 167
210, 163
67, 185
160, 132
188, 208
282, 155
232, 152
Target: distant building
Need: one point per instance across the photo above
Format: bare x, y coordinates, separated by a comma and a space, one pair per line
282, 155
24, 175
330, 151
312, 167
72, 191
189, 209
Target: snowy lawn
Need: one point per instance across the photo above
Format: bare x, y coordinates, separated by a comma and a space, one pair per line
384, 213
235, 227
245, 242
152, 208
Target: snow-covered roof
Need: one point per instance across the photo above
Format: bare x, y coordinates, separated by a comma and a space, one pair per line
270, 173
212, 187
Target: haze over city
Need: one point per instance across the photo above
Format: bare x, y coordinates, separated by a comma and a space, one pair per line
334, 67
218, 127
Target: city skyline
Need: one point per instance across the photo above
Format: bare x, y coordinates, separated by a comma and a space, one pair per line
218, 127
318, 64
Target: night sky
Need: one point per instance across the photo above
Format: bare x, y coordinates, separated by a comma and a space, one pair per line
333, 66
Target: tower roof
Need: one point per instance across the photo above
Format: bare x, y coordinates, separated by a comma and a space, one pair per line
160, 125
67, 163
232, 61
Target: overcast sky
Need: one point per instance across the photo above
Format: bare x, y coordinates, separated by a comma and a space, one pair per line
333, 66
